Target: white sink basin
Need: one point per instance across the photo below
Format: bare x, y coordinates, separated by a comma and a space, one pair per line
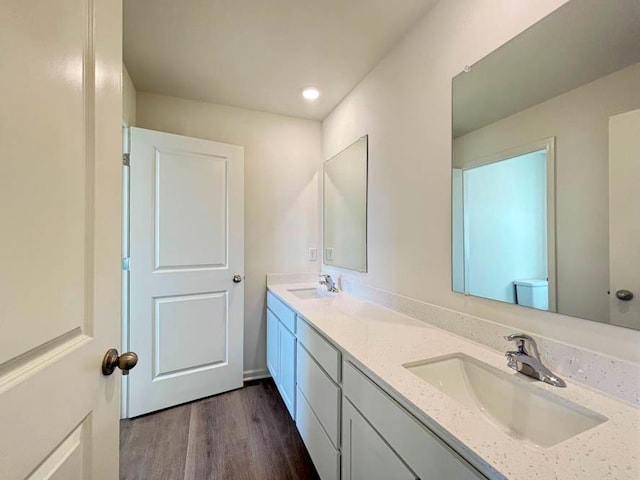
511, 402
305, 293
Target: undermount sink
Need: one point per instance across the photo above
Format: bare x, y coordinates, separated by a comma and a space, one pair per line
313, 292
522, 410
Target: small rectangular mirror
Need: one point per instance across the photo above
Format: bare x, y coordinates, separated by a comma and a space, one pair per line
345, 208
545, 169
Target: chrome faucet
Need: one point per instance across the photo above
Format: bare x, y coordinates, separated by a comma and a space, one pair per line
327, 281
530, 365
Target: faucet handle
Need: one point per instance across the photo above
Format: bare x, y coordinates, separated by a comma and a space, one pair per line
512, 361
520, 339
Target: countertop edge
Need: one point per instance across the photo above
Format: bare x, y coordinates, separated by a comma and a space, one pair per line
615, 409
465, 452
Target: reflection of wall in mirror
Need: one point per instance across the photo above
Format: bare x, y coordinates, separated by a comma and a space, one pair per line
505, 225
345, 194
579, 121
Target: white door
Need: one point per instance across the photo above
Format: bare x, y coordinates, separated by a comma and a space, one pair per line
187, 244
60, 160
624, 221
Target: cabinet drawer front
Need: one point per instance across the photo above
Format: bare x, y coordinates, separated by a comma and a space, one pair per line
325, 354
322, 395
325, 458
419, 447
280, 309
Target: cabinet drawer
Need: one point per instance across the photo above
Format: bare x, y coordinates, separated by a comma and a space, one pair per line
325, 458
280, 309
419, 447
324, 353
322, 395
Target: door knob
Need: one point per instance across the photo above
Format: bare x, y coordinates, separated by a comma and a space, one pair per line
237, 278
124, 362
624, 295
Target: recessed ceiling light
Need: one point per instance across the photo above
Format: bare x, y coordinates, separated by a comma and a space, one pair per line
311, 93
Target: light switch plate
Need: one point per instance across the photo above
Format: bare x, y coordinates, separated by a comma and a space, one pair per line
313, 254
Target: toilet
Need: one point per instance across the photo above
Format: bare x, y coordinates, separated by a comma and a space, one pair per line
532, 293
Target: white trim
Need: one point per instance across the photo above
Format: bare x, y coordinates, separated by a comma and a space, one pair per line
124, 346
255, 374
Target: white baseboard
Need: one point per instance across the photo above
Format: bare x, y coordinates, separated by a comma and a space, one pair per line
255, 374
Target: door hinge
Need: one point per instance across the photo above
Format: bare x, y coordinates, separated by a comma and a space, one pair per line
126, 159
126, 264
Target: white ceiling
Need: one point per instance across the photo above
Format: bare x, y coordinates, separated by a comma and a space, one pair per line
260, 54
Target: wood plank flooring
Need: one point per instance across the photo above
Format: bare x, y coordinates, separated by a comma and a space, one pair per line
246, 434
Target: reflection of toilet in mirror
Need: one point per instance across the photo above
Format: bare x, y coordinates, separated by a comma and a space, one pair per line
532, 293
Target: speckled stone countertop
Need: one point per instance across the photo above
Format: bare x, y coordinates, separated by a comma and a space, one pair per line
381, 341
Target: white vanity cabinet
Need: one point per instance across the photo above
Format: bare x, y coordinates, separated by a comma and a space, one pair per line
281, 350
351, 427
318, 399
422, 453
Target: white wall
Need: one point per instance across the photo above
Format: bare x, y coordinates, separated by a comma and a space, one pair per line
128, 98
579, 121
282, 161
404, 104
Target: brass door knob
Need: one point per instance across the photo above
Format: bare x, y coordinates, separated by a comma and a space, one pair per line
124, 362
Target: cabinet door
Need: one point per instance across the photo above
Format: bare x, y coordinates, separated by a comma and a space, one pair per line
272, 345
365, 455
287, 368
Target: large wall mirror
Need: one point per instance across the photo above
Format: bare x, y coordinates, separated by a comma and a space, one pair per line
345, 208
546, 166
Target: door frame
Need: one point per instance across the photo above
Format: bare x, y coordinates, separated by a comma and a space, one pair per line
548, 145
124, 320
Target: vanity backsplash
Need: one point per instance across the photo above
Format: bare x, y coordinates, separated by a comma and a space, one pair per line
612, 376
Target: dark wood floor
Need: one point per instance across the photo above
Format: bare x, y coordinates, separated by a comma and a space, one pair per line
245, 434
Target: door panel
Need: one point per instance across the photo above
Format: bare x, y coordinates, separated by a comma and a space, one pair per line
190, 229
186, 314
199, 321
60, 146
624, 223
34, 206
65, 462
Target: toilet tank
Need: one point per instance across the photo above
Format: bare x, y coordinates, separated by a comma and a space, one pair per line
532, 293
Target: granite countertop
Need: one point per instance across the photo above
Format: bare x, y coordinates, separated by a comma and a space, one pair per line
380, 341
